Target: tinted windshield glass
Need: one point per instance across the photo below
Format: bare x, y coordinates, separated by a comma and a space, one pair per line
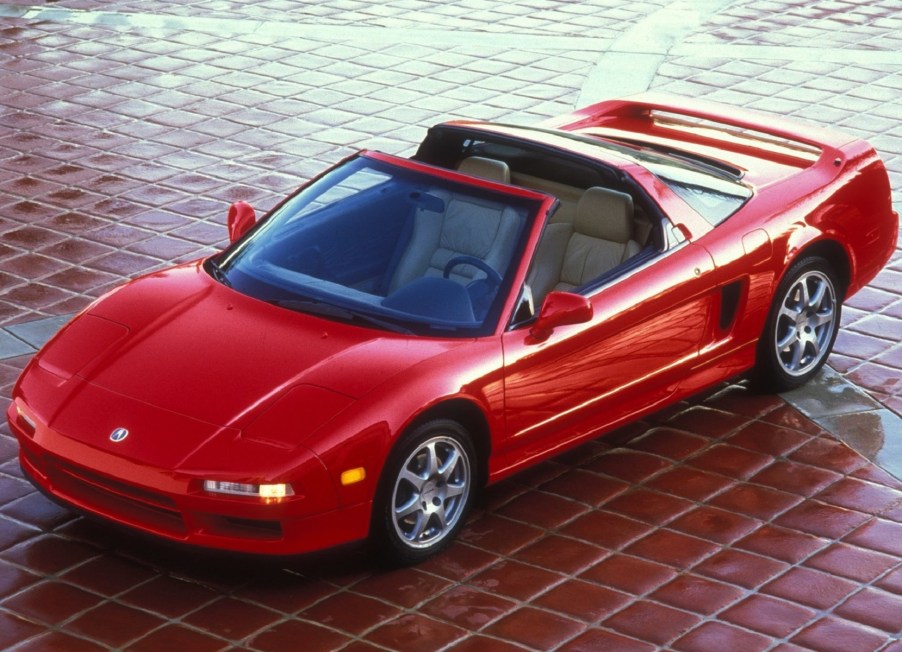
375, 243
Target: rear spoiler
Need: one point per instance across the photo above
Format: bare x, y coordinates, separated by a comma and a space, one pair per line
648, 112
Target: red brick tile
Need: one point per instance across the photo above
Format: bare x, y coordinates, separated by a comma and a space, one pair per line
459, 561
795, 477
717, 637
169, 596
49, 554
875, 608
468, 608
697, 594
863, 496
594, 640
761, 613
415, 633
606, 529
51, 602
500, 535
668, 623
686, 482
516, 580
406, 587
636, 576
672, 548
231, 619
287, 635
787, 417
542, 510
821, 519
478, 644
835, 635
707, 422
109, 575
584, 600
852, 562
561, 554
670, 443
830, 454
758, 502
629, 466
177, 637
714, 524
14, 629
649, 506
782, 543
13, 579
878, 534
350, 613
811, 587
892, 581
114, 624
584, 486
741, 568
731, 461
768, 438
56, 640
535, 628
742, 401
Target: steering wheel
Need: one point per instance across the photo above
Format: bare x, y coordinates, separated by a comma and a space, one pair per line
493, 277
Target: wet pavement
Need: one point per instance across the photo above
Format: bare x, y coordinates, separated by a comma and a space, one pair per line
732, 522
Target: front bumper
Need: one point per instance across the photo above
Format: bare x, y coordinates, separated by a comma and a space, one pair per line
164, 503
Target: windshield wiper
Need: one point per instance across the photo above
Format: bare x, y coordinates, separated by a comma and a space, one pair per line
217, 272
324, 309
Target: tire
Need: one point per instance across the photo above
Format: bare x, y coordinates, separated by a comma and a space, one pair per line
425, 493
801, 326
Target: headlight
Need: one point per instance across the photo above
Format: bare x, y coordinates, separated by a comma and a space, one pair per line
267, 492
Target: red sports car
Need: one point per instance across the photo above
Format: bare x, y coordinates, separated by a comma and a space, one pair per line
400, 332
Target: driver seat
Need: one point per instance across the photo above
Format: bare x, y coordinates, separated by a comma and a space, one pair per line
464, 226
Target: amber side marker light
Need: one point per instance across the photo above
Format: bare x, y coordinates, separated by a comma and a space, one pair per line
353, 476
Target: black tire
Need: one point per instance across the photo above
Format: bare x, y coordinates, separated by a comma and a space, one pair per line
425, 493
801, 326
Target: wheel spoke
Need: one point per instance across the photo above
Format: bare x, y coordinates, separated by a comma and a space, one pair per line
816, 299
790, 312
408, 508
791, 335
417, 481
447, 469
453, 490
431, 460
822, 318
419, 527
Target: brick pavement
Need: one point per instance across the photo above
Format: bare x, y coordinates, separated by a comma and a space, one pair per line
730, 522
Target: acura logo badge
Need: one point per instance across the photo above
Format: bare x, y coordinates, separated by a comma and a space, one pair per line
118, 435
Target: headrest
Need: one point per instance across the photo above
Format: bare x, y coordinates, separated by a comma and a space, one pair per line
605, 214
485, 168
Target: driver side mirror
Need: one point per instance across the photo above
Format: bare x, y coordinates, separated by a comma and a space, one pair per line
560, 309
241, 218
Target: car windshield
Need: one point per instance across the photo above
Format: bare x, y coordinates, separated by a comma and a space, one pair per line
387, 244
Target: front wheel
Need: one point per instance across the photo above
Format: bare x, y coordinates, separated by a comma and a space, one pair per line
425, 492
801, 327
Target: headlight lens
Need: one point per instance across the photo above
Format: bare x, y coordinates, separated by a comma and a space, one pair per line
268, 492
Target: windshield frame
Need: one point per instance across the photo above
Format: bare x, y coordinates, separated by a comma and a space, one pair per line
531, 206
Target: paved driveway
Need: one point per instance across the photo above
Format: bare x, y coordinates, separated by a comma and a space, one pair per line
732, 522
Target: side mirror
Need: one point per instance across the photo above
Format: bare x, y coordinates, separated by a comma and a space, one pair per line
241, 218
560, 309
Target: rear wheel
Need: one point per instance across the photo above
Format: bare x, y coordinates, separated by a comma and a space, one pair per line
425, 492
801, 327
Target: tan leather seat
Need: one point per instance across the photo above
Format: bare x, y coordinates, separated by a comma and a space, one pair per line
466, 226
601, 238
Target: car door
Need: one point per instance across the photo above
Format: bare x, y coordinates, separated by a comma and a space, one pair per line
645, 334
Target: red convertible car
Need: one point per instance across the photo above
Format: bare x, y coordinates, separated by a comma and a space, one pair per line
400, 332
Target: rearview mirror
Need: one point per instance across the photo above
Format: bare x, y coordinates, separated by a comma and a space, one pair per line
560, 309
241, 218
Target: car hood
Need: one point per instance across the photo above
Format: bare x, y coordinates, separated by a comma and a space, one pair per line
183, 343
